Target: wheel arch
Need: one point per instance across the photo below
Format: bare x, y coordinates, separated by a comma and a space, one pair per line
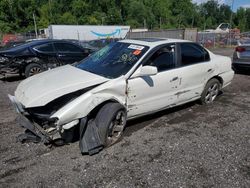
95, 110
85, 106
219, 78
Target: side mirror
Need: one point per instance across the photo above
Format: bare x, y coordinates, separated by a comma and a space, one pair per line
146, 71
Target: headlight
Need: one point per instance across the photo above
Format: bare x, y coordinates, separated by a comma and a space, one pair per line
3, 59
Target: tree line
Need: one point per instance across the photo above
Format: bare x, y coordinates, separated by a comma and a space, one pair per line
17, 15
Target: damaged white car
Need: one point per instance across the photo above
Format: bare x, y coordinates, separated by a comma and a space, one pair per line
127, 79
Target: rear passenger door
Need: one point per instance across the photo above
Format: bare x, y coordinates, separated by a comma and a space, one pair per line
69, 53
195, 69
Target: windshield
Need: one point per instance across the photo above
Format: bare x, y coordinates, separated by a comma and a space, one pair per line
114, 60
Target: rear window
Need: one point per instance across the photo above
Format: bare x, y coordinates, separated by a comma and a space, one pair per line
66, 47
45, 47
192, 53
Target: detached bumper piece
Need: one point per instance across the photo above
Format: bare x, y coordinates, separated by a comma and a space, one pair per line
34, 132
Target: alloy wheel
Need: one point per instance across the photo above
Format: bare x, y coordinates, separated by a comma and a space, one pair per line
35, 70
116, 127
212, 92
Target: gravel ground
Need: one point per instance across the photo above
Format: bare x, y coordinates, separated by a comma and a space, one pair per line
188, 146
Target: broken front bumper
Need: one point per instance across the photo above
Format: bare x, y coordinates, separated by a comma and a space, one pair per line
8, 70
26, 123
89, 135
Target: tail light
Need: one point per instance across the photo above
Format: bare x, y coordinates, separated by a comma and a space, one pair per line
240, 49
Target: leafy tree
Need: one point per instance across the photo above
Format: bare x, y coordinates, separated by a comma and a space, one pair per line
17, 15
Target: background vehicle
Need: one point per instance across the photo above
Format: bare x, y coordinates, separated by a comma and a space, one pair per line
39, 55
124, 80
222, 28
241, 56
87, 32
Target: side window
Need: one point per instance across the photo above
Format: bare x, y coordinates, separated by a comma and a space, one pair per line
45, 47
193, 53
65, 47
163, 59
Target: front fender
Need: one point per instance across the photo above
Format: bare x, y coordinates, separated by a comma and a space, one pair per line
83, 105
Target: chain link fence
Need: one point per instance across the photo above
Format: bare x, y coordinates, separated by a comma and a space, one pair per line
212, 40
188, 34
207, 39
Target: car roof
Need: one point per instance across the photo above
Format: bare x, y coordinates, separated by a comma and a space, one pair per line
152, 42
35, 42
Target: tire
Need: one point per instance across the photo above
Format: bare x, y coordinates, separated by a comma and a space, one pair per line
32, 69
111, 121
211, 91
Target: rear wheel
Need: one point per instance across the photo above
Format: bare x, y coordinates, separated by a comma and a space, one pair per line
33, 69
211, 91
111, 121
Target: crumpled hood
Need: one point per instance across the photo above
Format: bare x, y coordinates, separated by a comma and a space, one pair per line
38, 90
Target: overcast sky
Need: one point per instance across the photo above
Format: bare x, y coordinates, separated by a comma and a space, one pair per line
236, 5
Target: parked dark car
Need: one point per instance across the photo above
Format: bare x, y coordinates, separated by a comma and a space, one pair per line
241, 56
36, 56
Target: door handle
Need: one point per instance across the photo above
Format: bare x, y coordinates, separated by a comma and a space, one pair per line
60, 55
173, 79
209, 70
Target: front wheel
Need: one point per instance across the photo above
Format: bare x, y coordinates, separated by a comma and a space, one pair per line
111, 121
33, 69
211, 91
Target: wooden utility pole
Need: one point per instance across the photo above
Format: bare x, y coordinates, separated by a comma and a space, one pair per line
34, 18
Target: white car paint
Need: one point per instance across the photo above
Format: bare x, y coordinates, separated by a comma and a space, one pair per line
139, 95
43, 88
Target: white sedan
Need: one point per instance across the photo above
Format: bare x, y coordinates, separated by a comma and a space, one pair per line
93, 99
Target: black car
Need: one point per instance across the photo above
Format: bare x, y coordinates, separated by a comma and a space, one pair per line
39, 55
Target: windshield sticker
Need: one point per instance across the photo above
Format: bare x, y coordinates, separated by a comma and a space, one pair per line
135, 47
124, 57
137, 52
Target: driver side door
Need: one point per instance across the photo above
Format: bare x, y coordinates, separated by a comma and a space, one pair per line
151, 93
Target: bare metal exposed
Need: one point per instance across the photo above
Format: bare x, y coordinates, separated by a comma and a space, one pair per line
124, 80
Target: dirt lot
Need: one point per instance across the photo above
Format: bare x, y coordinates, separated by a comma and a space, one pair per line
188, 146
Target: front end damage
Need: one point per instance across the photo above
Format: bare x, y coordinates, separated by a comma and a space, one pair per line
41, 126
55, 106
36, 132
16, 65
9, 66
